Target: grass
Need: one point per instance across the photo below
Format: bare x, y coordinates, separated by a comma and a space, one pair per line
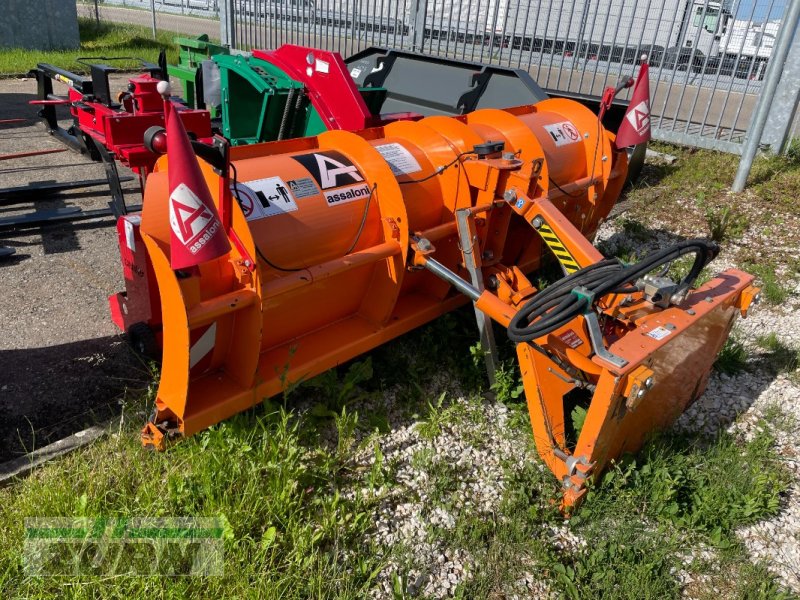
298, 507
104, 39
732, 358
772, 291
691, 198
289, 524
779, 356
298, 501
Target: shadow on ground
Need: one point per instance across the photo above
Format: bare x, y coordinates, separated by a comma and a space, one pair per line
48, 393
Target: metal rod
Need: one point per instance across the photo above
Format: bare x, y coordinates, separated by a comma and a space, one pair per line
33, 153
446, 274
469, 247
774, 71
153, 12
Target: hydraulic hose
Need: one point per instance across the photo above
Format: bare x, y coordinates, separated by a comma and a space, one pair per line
558, 304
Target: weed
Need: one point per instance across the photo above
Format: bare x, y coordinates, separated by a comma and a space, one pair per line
578, 416
726, 223
338, 390
732, 358
634, 229
771, 290
507, 383
441, 415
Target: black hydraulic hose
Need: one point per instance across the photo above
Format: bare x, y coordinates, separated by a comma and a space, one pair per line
557, 305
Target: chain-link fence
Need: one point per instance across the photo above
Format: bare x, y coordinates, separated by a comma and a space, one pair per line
182, 17
708, 58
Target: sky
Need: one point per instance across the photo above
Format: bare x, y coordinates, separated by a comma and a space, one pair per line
762, 8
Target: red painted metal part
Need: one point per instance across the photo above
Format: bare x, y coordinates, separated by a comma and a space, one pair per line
332, 91
120, 128
33, 153
140, 302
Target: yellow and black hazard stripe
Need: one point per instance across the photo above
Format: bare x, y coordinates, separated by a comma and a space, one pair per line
562, 254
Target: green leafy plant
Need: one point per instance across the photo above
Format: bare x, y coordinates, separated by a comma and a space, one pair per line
732, 358
507, 384
771, 289
726, 223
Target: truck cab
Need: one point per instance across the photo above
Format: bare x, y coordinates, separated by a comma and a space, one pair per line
698, 39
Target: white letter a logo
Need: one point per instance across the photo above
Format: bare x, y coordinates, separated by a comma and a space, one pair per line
330, 169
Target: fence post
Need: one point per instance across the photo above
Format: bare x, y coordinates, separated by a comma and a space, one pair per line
774, 73
418, 18
227, 33
153, 12
781, 118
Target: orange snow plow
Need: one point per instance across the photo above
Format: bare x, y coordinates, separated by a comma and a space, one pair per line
344, 241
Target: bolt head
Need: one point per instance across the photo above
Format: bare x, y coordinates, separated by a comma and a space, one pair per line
537, 222
424, 244
510, 195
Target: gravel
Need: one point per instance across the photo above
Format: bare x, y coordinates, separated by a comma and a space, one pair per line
415, 520
64, 365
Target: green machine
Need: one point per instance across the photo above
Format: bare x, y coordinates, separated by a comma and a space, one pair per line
192, 53
261, 103
270, 95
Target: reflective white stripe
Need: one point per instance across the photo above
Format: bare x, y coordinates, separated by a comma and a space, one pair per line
203, 346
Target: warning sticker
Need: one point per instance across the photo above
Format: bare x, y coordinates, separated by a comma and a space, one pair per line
355, 72
263, 198
322, 66
659, 333
399, 158
639, 117
303, 188
571, 339
330, 169
563, 133
348, 194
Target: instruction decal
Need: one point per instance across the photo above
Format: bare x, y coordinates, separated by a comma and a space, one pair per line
563, 133
263, 198
330, 169
571, 339
399, 158
303, 188
659, 333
